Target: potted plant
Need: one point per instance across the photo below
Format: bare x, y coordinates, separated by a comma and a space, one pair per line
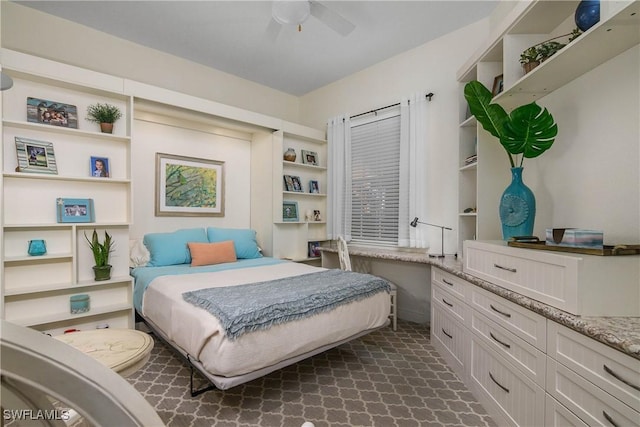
527, 132
104, 114
101, 252
530, 59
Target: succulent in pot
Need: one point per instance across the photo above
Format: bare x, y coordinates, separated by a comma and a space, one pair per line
101, 252
104, 114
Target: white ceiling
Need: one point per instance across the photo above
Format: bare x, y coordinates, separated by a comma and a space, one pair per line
235, 36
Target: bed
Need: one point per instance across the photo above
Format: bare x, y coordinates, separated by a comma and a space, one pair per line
223, 355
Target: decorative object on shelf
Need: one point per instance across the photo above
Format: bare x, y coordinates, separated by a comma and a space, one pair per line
415, 223
308, 215
498, 85
37, 247
188, 186
78, 304
314, 249
527, 132
529, 59
316, 215
101, 252
309, 157
75, 210
290, 211
297, 184
314, 187
290, 155
100, 167
533, 56
6, 82
35, 156
575, 237
52, 113
103, 114
587, 14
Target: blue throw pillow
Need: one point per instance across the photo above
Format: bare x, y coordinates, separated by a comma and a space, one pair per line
172, 248
244, 240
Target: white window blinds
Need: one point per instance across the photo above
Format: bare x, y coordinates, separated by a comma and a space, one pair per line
375, 187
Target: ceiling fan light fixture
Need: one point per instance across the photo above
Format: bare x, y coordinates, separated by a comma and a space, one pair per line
291, 12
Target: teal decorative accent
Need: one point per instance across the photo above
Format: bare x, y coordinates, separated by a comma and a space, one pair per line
37, 247
517, 207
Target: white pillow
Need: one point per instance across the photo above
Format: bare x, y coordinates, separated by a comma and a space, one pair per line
139, 255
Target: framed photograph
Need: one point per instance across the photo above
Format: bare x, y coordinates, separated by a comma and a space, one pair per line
297, 184
290, 211
498, 85
314, 249
52, 113
188, 186
75, 210
100, 167
314, 187
316, 215
35, 156
288, 183
309, 157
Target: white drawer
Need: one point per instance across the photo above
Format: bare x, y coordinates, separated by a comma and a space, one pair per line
556, 415
452, 305
587, 285
521, 354
454, 284
451, 340
524, 323
589, 402
613, 371
516, 397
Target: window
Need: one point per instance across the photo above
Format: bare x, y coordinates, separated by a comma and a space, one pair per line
375, 186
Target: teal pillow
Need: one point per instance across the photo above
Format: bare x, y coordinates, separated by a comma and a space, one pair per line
244, 240
171, 248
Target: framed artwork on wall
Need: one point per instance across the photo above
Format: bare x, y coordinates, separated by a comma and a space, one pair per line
52, 113
189, 186
75, 210
290, 211
35, 156
100, 167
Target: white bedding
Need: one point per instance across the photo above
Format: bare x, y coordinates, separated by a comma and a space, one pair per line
200, 334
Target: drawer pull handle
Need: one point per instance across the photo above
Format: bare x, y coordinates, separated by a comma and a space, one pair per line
498, 384
448, 303
445, 332
498, 341
608, 417
619, 378
513, 270
447, 282
498, 311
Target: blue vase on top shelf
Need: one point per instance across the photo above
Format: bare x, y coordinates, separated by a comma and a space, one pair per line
517, 207
587, 14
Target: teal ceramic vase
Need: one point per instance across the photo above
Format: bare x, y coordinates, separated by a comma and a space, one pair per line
517, 207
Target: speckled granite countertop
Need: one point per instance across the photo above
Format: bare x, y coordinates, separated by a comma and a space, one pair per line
621, 333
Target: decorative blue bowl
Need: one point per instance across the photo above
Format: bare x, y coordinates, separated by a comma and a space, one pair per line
587, 14
79, 303
37, 247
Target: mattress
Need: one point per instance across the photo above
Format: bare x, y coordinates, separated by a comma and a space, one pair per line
199, 334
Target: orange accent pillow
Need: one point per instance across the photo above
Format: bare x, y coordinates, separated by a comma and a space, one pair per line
212, 253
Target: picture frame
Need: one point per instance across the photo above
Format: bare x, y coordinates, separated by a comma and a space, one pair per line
100, 167
309, 157
290, 211
288, 183
293, 183
316, 215
498, 85
314, 187
52, 113
314, 250
35, 156
75, 210
189, 186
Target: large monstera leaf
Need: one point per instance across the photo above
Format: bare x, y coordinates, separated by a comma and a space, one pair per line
530, 131
490, 116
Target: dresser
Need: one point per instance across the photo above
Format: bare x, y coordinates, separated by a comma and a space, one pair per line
533, 363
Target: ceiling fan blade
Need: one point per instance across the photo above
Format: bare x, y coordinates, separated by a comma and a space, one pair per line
331, 19
273, 30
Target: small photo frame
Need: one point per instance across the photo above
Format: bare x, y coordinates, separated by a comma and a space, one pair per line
52, 113
314, 187
314, 249
498, 85
75, 210
290, 211
35, 156
100, 167
316, 215
293, 183
309, 157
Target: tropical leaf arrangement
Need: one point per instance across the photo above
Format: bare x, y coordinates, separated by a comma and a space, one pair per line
101, 251
527, 132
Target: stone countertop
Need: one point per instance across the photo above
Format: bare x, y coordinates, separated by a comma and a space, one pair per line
621, 333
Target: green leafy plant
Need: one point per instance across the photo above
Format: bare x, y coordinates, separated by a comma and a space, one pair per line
547, 49
103, 113
527, 132
529, 55
101, 251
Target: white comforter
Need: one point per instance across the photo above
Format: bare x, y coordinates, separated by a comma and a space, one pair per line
200, 334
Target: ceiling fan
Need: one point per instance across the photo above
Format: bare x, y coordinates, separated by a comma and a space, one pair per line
296, 12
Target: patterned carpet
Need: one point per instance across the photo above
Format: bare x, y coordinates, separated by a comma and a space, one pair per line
383, 379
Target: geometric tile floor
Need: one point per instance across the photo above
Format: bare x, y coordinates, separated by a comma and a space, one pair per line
385, 379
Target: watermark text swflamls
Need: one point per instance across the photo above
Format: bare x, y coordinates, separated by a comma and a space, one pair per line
36, 414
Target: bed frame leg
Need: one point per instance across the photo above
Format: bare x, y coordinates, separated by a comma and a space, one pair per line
195, 393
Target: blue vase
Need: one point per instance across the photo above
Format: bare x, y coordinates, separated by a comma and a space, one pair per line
587, 14
517, 207
37, 247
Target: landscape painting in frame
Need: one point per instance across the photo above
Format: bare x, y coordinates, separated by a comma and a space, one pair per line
52, 113
188, 186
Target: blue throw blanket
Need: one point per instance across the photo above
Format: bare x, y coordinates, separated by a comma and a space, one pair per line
258, 306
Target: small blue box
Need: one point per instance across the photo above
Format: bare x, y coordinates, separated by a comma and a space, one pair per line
79, 303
